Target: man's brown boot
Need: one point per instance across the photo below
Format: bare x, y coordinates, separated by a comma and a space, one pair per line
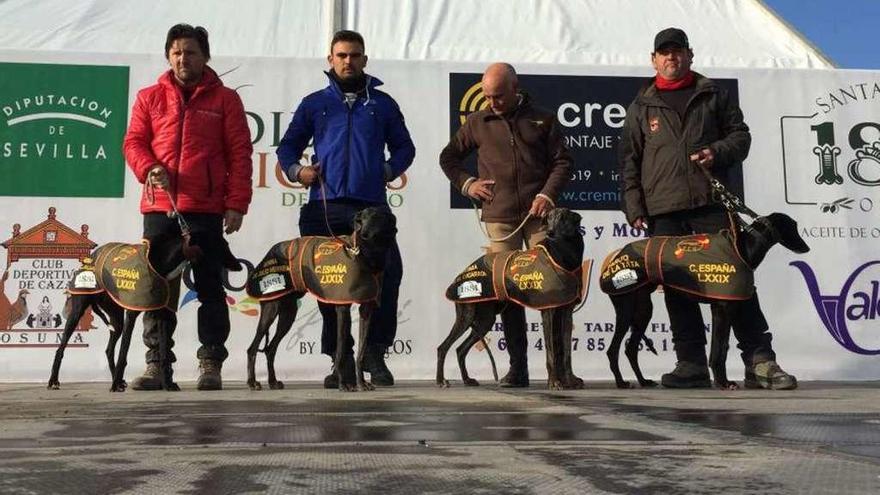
150, 380
209, 379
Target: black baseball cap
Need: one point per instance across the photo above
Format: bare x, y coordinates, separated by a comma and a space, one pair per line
671, 36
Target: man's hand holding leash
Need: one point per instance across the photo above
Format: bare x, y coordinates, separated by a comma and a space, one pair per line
308, 174
541, 206
158, 177
704, 157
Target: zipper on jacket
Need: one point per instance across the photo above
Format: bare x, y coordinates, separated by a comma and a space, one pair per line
347, 150
181, 120
210, 180
515, 165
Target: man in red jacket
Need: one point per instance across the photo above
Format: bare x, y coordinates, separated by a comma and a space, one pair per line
189, 140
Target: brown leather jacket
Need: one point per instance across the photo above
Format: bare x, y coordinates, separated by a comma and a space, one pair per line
657, 175
523, 152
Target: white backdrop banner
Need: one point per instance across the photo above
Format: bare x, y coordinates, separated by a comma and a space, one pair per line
815, 155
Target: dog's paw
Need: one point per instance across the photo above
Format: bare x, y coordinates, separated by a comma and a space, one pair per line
726, 385
470, 382
573, 382
443, 383
348, 387
254, 385
366, 387
276, 385
53, 386
554, 384
649, 384
117, 388
624, 385
172, 387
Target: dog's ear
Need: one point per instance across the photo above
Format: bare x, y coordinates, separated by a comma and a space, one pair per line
563, 222
787, 229
358, 222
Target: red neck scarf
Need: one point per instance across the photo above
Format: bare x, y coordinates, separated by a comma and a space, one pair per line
667, 85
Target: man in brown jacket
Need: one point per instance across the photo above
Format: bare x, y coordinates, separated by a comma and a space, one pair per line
678, 122
522, 165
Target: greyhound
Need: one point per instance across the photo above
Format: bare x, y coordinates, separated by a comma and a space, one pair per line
497, 279
338, 270
96, 286
629, 278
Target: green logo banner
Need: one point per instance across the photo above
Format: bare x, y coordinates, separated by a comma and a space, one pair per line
61, 130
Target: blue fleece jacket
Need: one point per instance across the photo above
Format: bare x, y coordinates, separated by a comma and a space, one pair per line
349, 142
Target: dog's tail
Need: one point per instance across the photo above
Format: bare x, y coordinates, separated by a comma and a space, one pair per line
649, 344
491, 358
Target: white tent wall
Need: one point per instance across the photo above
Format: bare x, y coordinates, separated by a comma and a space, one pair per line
437, 241
724, 33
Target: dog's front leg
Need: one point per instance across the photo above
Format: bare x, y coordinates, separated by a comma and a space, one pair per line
366, 312
719, 346
116, 315
554, 369
344, 361
165, 354
566, 316
118, 384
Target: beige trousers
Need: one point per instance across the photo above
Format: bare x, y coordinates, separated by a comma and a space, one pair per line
533, 232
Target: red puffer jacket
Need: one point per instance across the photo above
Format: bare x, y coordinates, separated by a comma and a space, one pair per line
204, 144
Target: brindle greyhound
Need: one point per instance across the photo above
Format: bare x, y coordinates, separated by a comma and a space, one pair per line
121, 320
374, 232
633, 309
565, 246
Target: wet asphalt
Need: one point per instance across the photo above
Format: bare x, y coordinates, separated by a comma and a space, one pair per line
416, 438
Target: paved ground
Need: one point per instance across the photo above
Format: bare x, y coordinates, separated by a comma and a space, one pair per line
415, 438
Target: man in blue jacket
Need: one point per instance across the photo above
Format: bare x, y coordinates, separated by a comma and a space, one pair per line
351, 123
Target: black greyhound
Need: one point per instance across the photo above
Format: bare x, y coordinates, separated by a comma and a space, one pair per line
477, 302
338, 270
94, 294
633, 307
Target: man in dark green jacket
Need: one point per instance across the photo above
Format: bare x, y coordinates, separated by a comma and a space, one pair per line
677, 123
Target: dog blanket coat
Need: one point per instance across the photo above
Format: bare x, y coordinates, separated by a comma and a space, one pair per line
705, 265
322, 266
124, 272
530, 278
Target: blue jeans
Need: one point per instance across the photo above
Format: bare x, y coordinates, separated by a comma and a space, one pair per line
340, 216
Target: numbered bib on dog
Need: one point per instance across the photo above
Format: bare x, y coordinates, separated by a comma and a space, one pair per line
624, 270
271, 278
474, 284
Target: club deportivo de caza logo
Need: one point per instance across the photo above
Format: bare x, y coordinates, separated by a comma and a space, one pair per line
850, 316
61, 130
831, 153
40, 262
